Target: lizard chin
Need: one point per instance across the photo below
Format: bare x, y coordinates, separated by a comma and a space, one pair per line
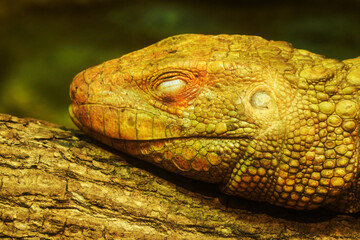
73, 117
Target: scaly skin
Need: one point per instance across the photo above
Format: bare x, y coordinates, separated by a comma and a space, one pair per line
262, 119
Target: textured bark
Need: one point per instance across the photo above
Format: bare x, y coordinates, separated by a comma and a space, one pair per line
57, 183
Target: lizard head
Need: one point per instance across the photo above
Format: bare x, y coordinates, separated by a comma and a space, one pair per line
233, 110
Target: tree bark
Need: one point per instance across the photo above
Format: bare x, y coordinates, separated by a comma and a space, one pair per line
57, 183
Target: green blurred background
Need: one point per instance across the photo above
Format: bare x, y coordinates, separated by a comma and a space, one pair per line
44, 43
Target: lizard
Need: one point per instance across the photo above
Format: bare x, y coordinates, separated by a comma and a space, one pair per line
262, 119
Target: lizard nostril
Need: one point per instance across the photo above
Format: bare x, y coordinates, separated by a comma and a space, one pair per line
260, 99
79, 89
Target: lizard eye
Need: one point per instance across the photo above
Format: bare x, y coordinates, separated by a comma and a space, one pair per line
260, 100
172, 87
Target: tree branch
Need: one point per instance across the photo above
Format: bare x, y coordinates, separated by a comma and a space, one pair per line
58, 183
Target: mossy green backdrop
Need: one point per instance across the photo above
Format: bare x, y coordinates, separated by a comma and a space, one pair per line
43, 44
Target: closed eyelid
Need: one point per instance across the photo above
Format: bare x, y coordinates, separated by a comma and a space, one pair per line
171, 87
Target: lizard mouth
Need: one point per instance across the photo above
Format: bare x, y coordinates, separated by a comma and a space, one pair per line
126, 124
